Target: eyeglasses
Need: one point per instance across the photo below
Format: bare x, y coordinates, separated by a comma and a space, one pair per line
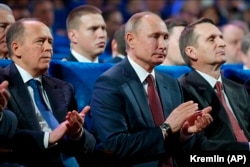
3, 26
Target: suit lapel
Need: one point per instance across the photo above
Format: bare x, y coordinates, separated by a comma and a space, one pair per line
71, 58
165, 97
135, 90
233, 98
207, 96
20, 97
56, 98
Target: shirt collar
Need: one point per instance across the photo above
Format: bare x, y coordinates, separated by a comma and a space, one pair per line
141, 72
212, 81
25, 75
82, 58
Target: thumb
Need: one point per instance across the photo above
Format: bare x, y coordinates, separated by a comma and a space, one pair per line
185, 127
85, 110
4, 85
207, 110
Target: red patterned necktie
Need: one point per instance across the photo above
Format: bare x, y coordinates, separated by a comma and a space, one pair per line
154, 101
157, 112
238, 132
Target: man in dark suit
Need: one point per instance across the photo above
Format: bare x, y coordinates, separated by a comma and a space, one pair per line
129, 133
40, 140
87, 33
203, 49
118, 46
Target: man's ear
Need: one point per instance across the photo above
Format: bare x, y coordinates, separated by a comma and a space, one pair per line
191, 52
130, 39
72, 36
16, 49
114, 47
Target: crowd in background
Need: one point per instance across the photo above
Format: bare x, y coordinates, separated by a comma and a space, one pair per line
117, 12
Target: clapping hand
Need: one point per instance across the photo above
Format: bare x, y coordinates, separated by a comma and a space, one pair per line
72, 126
4, 95
75, 122
198, 121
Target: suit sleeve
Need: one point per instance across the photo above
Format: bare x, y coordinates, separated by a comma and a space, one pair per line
8, 124
212, 139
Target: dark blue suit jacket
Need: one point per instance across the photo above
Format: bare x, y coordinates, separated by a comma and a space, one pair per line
28, 140
8, 124
72, 58
219, 134
122, 119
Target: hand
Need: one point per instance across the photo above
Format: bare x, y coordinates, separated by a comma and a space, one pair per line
57, 133
4, 95
180, 114
198, 121
75, 122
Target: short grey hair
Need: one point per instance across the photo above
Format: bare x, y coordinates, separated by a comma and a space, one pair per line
5, 7
134, 22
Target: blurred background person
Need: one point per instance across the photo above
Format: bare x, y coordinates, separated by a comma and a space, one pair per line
175, 26
118, 46
159, 7
6, 19
87, 33
113, 19
44, 11
245, 48
212, 12
20, 11
233, 32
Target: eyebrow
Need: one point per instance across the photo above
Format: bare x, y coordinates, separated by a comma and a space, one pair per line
214, 35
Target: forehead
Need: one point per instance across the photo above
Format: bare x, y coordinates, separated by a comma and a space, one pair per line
91, 20
6, 17
36, 29
205, 30
177, 30
152, 24
232, 31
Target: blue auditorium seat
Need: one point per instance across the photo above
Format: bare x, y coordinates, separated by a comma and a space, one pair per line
81, 75
174, 71
237, 74
232, 66
4, 63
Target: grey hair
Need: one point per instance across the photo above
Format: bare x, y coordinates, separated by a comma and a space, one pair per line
5, 7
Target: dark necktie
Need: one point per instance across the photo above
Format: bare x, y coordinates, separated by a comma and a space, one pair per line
239, 134
154, 101
41, 105
157, 112
68, 161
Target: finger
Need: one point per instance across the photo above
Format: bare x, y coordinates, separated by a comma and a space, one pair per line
192, 129
6, 94
4, 85
3, 100
207, 110
184, 105
84, 111
75, 119
68, 115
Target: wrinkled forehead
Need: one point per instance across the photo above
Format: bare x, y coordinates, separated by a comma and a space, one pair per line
152, 23
36, 27
205, 30
6, 17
